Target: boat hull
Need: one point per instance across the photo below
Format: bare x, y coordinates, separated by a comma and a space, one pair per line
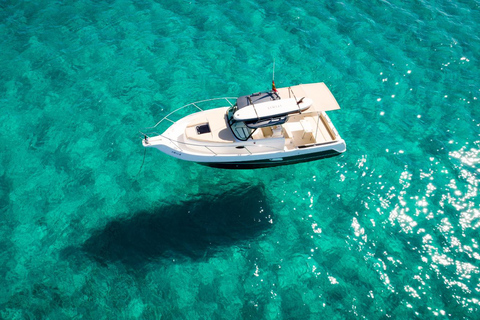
250, 160
267, 163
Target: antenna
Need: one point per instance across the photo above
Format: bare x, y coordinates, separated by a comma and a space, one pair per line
273, 77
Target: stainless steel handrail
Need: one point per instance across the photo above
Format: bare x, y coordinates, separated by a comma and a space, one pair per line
194, 104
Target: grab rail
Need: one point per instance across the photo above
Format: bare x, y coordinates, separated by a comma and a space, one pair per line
194, 104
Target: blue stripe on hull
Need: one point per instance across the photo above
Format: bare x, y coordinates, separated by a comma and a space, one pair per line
269, 163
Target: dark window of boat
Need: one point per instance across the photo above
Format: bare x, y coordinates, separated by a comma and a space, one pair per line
230, 114
204, 128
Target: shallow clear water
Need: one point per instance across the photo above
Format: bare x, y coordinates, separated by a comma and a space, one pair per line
388, 229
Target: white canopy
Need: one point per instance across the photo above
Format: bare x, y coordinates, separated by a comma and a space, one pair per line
323, 99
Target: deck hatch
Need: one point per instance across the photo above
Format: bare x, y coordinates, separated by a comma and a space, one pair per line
203, 128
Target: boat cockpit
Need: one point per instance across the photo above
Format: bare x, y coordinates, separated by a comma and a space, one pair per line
243, 130
262, 110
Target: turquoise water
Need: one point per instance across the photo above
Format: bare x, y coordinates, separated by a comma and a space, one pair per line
388, 229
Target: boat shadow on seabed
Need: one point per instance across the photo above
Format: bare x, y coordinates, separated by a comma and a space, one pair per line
194, 229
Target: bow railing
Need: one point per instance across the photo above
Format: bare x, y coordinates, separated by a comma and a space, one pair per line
185, 110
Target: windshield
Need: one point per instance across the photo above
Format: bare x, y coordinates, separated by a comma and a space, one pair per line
239, 129
231, 111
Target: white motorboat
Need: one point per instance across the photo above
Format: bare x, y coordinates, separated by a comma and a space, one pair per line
278, 127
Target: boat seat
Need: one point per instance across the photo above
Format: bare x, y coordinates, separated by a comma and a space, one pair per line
292, 128
258, 134
267, 132
307, 129
277, 131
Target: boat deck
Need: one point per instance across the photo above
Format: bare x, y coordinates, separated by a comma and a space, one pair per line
219, 132
300, 130
207, 132
307, 129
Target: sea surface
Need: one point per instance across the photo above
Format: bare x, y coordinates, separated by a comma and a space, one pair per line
92, 229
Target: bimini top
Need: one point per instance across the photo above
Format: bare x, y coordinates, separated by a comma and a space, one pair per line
323, 99
315, 97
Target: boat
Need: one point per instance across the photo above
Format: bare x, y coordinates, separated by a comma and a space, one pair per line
265, 129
